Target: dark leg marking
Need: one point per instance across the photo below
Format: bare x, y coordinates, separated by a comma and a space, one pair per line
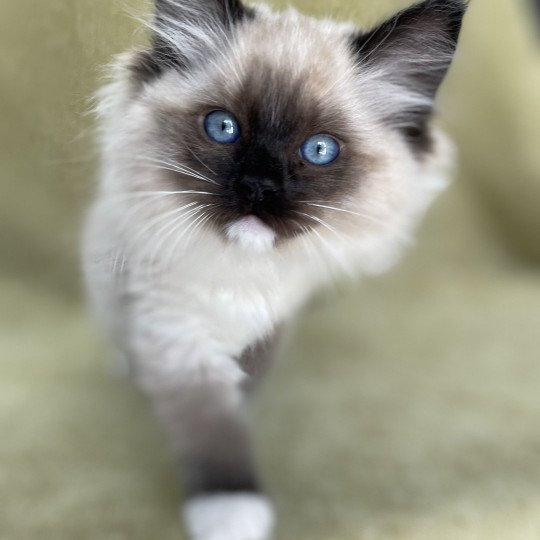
209, 427
257, 359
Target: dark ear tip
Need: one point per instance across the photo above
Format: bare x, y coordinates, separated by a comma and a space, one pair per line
451, 11
447, 14
449, 8
449, 4
456, 7
427, 31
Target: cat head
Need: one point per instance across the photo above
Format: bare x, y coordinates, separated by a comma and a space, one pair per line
276, 126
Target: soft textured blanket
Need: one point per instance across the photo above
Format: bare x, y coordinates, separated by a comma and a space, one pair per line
406, 407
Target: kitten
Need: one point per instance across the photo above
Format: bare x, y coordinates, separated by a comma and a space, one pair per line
249, 158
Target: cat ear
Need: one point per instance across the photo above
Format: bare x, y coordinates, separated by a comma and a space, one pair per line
186, 32
409, 56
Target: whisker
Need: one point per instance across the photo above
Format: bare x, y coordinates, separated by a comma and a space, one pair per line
111, 199
171, 161
180, 170
329, 249
149, 254
199, 160
141, 234
365, 216
320, 222
174, 245
310, 246
339, 209
198, 225
173, 228
162, 238
145, 202
166, 163
155, 219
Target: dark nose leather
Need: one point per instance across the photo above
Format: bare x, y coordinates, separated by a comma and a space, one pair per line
256, 190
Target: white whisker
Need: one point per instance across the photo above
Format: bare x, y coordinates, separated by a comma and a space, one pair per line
363, 215
156, 221
168, 164
112, 199
174, 245
200, 160
173, 225
331, 251
321, 222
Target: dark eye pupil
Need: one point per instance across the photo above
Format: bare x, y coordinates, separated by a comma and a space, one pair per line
322, 149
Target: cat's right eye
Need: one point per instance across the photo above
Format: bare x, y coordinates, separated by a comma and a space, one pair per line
222, 127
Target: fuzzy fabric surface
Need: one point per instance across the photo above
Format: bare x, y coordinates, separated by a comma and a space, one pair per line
403, 408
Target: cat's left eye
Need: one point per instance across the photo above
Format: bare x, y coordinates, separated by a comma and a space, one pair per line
222, 127
320, 150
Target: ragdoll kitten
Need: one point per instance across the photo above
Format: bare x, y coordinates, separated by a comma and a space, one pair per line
249, 158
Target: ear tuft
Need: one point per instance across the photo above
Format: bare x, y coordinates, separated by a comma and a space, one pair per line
187, 32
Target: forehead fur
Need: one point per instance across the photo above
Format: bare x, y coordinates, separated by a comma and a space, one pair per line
297, 46
279, 66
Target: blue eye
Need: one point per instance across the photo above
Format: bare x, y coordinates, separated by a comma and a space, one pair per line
222, 127
320, 150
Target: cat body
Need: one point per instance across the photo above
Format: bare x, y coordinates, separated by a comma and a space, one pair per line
250, 158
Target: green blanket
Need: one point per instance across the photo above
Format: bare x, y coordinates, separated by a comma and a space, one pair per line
406, 407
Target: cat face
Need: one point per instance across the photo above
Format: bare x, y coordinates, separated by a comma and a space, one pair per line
274, 135
282, 126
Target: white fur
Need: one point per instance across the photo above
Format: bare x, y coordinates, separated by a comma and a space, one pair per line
229, 517
251, 233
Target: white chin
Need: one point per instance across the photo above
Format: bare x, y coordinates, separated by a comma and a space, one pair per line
252, 234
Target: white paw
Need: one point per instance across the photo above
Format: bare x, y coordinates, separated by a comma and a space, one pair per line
240, 516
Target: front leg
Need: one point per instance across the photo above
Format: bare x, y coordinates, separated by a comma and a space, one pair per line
203, 409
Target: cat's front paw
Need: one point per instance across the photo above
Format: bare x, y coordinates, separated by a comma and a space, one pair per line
229, 516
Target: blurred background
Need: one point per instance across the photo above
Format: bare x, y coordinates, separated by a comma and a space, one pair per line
406, 407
